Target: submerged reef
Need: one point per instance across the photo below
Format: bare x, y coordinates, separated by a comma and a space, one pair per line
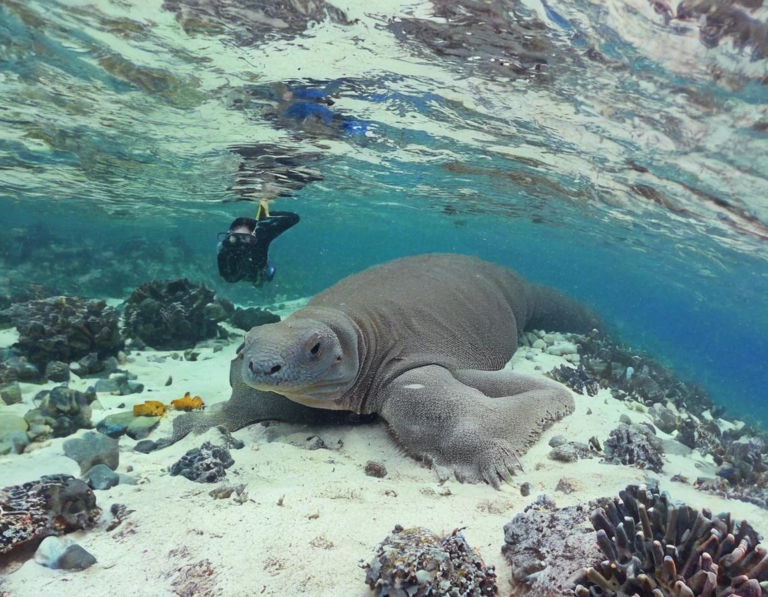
546, 546
655, 548
54, 505
175, 314
61, 330
634, 445
416, 562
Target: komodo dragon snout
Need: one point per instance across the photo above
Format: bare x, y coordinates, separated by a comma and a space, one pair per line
305, 360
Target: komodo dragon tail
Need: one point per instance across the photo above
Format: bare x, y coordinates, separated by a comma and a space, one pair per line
555, 312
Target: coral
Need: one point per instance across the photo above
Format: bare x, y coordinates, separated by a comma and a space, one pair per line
64, 329
417, 562
175, 314
546, 547
635, 445
205, 464
62, 410
150, 408
188, 403
576, 379
655, 548
54, 505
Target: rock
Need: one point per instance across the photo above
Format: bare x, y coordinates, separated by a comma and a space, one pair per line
564, 453
131, 387
525, 489
62, 553
12, 423
57, 371
63, 409
539, 344
141, 427
563, 348
558, 440
145, 446
205, 464
565, 485
101, 477
375, 469
663, 418
245, 319
92, 449
13, 442
116, 424
128, 480
10, 393
169, 381
191, 355
634, 445
625, 419
107, 386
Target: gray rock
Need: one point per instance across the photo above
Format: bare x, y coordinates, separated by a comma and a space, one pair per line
625, 419
101, 477
61, 553
564, 453
107, 386
57, 371
141, 427
13, 442
558, 440
116, 424
145, 446
10, 393
664, 418
92, 449
565, 485
525, 489
128, 480
131, 387
10, 423
375, 469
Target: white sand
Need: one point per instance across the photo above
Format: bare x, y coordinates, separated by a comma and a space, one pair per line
181, 541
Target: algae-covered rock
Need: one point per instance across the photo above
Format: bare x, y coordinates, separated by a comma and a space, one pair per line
10, 393
415, 561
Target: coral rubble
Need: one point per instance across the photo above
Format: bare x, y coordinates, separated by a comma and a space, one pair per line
64, 329
206, 464
577, 379
415, 561
546, 547
53, 505
655, 548
634, 445
174, 314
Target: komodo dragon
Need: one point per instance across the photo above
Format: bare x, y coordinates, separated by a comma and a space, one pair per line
420, 341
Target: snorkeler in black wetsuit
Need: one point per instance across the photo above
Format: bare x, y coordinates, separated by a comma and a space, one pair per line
243, 251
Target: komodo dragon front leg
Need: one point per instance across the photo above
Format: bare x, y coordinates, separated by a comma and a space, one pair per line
474, 423
247, 406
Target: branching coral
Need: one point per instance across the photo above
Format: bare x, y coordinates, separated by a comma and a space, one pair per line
655, 548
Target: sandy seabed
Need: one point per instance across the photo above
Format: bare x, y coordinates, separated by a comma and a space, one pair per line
312, 516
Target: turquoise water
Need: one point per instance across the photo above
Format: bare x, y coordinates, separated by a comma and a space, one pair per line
629, 171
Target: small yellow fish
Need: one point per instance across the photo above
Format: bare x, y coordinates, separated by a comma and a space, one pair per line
188, 403
150, 408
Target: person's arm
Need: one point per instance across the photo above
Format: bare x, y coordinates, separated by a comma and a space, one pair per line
277, 223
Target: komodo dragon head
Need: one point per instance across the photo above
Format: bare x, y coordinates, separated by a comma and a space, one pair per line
313, 361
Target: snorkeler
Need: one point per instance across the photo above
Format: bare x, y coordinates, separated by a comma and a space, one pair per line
243, 251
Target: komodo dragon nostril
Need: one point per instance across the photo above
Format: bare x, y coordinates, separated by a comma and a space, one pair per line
274, 369
251, 367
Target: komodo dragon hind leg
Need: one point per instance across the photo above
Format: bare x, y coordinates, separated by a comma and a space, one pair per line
474, 423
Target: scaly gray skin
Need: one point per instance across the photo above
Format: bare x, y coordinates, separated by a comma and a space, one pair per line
422, 341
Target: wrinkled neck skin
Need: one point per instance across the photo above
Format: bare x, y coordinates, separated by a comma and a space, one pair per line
332, 392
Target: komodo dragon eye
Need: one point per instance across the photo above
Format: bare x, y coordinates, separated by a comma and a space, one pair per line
315, 349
